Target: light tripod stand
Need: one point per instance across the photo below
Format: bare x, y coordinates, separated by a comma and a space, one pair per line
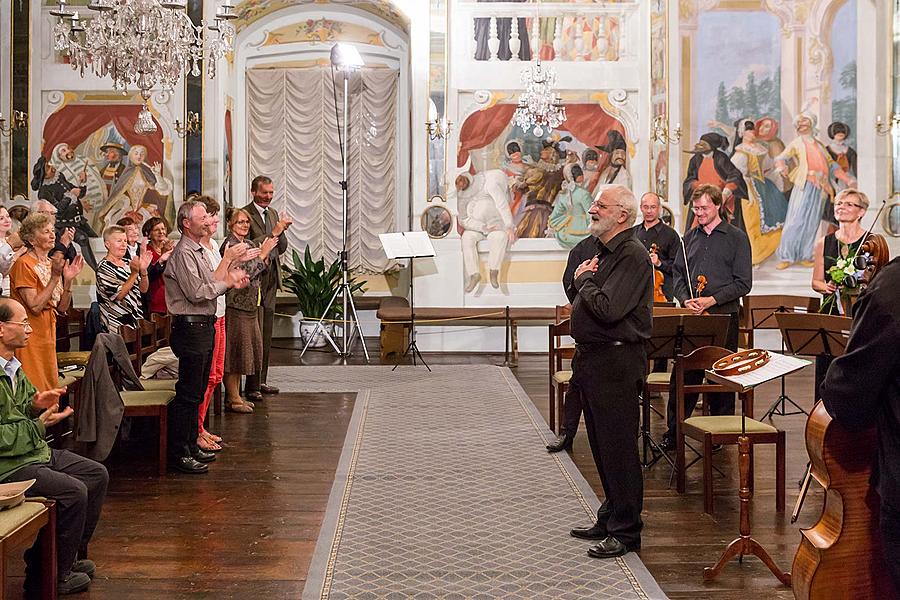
346, 59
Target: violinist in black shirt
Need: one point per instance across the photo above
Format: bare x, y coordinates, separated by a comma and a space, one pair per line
611, 320
668, 245
862, 388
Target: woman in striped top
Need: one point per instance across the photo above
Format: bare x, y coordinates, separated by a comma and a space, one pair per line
120, 283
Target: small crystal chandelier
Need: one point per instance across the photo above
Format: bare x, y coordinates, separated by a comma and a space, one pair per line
539, 106
142, 44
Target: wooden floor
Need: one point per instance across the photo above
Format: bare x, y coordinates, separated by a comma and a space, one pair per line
248, 528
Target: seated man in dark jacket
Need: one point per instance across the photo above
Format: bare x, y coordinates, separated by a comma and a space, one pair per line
77, 484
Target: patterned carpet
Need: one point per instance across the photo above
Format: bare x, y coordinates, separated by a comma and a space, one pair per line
444, 490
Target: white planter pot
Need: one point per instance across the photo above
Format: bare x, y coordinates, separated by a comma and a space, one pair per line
306, 331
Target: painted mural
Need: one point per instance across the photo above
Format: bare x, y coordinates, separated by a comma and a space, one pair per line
781, 156
249, 11
541, 170
323, 30
112, 171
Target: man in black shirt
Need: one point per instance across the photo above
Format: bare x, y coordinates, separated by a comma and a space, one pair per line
862, 388
720, 252
654, 231
584, 250
611, 320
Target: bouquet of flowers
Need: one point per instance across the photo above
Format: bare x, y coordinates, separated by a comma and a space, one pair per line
845, 276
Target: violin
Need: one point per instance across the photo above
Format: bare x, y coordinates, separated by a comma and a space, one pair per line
658, 279
840, 556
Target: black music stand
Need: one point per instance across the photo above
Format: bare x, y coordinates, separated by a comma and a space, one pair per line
813, 335
762, 311
675, 334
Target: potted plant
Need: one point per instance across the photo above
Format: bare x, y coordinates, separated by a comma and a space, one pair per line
315, 284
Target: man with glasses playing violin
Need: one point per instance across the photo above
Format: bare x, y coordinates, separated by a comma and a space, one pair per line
719, 260
610, 322
77, 484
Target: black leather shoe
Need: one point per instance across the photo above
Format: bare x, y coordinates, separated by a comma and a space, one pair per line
667, 444
563, 442
203, 456
254, 396
187, 464
610, 547
597, 531
268, 389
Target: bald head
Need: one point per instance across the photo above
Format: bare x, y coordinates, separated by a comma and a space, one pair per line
14, 327
650, 209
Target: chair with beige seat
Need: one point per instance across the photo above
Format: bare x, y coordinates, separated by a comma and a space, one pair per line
559, 352
719, 429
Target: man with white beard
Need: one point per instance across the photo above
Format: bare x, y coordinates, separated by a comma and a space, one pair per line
484, 215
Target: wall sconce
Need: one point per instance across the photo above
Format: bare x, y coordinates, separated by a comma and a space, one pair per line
881, 128
438, 128
19, 121
191, 128
660, 132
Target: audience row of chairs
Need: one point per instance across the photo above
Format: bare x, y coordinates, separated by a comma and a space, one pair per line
710, 431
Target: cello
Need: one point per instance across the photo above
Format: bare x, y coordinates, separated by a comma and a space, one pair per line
840, 556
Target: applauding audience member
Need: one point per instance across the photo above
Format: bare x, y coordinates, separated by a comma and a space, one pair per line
132, 237
11, 248
77, 484
120, 282
192, 286
244, 345
41, 280
160, 249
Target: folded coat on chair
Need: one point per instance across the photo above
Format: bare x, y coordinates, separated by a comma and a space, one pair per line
99, 410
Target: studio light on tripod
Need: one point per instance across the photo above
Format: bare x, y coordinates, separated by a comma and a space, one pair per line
345, 57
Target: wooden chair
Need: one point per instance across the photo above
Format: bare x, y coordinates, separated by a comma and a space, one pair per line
19, 526
558, 352
68, 327
724, 429
163, 330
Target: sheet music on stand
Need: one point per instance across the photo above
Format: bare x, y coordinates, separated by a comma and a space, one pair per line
779, 365
407, 244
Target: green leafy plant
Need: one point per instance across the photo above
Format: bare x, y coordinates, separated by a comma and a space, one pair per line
314, 284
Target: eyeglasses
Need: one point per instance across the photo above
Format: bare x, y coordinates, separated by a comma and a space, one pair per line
24, 323
599, 204
844, 203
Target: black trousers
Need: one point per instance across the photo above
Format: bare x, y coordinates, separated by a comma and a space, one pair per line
266, 318
720, 403
890, 540
78, 485
609, 380
573, 405
193, 344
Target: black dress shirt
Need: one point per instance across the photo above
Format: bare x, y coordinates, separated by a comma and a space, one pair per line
584, 250
615, 304
862, 387
723, 257
668, 245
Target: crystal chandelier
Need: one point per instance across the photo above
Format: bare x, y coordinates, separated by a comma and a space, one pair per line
142, 44
539, 106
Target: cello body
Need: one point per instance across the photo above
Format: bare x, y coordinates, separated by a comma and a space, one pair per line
841, 556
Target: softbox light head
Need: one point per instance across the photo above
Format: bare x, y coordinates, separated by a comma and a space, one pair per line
345, 57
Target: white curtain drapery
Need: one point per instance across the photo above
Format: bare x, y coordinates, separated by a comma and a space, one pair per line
292, 137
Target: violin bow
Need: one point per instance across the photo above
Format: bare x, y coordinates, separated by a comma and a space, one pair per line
687, 270
869, 230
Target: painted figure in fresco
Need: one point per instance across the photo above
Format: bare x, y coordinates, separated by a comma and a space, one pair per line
766, 206
140, 192
709, 164
570, 221
52, 186
809, 167
845, 157
616, 172
483, 214
515, 168
543, 183
78, 168
113, 166
590, 164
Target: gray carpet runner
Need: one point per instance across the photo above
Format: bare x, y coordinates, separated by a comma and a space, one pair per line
444, 490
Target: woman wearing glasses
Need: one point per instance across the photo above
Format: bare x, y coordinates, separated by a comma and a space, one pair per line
41, 280
850, 207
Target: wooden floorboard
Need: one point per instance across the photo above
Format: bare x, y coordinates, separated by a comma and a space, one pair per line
249, 527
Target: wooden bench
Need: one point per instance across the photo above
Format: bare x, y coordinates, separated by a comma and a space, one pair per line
18, 527
395, 316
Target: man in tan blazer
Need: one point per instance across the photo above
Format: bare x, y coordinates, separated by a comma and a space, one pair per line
265, 222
